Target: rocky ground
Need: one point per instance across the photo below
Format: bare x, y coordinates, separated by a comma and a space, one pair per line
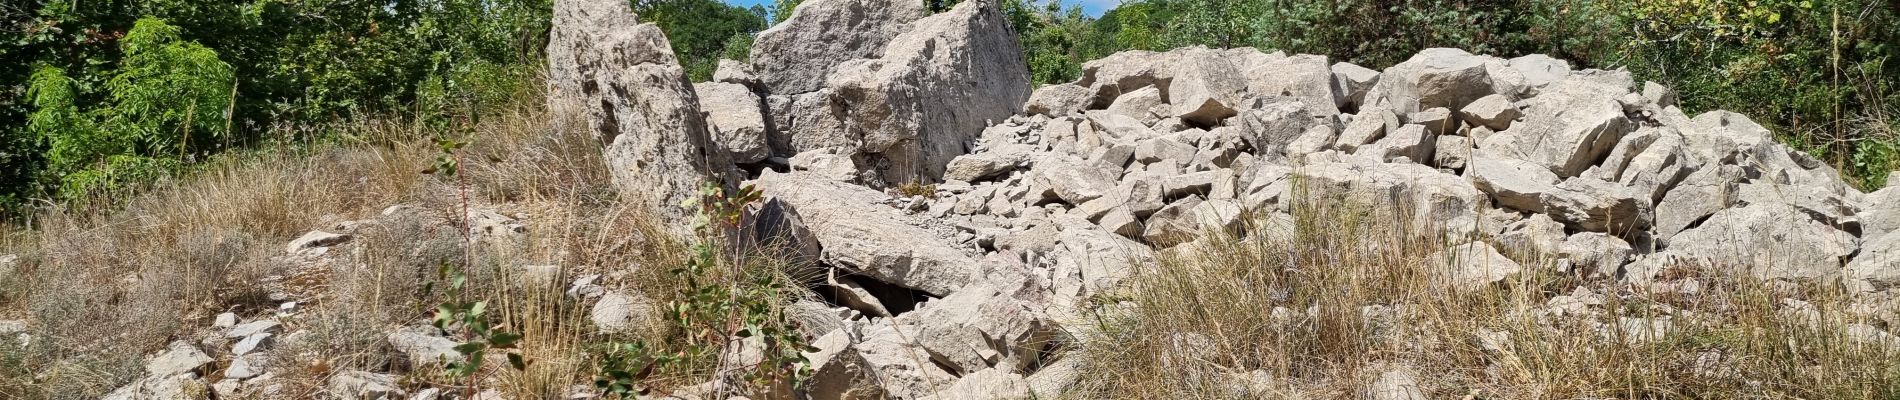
967, 234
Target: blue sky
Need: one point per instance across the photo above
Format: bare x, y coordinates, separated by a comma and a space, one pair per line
1093, 8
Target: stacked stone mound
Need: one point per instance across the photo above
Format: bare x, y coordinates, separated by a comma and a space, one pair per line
1524, 162
1046, 198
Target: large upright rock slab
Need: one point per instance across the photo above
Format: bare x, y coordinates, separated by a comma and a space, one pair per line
617, 78
856, 232
933, 91
795, 56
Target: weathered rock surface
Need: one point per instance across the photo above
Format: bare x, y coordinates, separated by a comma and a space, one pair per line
1771, 241
617, 78
736, 118
933, 90
795, 56
858, 233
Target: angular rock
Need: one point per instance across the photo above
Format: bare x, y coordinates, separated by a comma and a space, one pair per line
1313, 140
1701, 194
362, 385
901, 368
1596, 206
991, 324
1569, 128
618, 79
978, 166
1596, 254
1305, 77
315, 239
1411, 142
796, 55
1532, 240
1351, 82
871, 239
1173, 224
934, 90
1512, 183
247, 366
424, 348
736, 120
1437, 121
1423, 196
1436, 77
1058, 100
1768, 241
1163, 148
1140, 104
1206, 87
252, 343
178, 358
1451, 152
615, 312
249, 329
1540, 70
1072, 181
1496, 112
1369, 126
1270, 128
839, 372
1471, 266
1876, 268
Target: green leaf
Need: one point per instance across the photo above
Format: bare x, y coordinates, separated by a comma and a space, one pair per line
477, 309
471, 347
515, 360
504, 340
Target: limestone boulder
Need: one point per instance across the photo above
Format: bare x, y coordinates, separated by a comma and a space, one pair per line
1876, 268
992, 324
1058, 100
1305, 77
1438, 77
1496, 112
932, 92
1206, 87
1768, 241
796, 55
736, 119
1351, 82
1470, 267
617, 78
857, 232
1569, 127
1269, 129
1416, 193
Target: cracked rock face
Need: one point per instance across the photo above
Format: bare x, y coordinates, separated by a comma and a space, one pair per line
617, 78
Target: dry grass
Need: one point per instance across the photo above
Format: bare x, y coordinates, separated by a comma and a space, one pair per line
1323, 305
158, 266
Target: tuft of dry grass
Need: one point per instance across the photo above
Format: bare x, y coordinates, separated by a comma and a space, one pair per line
1319, 305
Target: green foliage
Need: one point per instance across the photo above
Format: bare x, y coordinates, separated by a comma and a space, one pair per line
167, 88
164, 91
176, 80
467, 320
702, 31
721, 300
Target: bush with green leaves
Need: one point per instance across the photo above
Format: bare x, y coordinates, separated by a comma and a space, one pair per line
724, 299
